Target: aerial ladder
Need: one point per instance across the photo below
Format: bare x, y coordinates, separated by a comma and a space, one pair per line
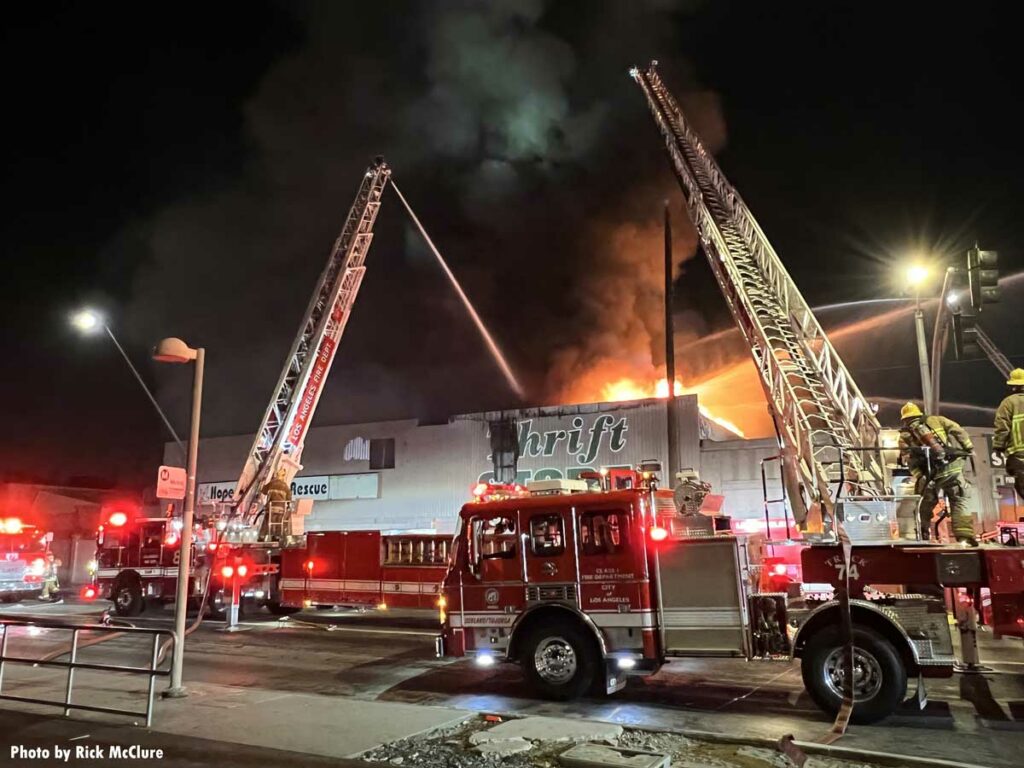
829, 435
276, 451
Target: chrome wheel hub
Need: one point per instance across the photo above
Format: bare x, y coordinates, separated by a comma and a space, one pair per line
124, 597
555, 660
867, 674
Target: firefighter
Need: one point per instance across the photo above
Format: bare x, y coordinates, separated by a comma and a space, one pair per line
1008, 439
51, 586
926, 447
278, 494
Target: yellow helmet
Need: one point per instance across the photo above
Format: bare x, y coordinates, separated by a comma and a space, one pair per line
912, 411
1016, 378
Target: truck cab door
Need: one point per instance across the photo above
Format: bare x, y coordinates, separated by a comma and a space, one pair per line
492, 583
151, 542
551, 564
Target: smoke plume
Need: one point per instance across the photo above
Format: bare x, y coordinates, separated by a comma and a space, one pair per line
530, 157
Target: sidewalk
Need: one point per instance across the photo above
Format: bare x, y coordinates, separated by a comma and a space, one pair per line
246, 719
49, 731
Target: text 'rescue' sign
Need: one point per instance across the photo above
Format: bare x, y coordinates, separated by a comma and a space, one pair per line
312, 391
316, 487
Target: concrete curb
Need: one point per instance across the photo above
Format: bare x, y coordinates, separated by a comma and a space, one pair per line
809, 747
429, 729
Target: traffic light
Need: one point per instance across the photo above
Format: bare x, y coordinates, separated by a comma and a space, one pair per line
982, 277
965, 335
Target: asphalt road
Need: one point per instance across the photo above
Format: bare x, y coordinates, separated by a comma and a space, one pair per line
976, 719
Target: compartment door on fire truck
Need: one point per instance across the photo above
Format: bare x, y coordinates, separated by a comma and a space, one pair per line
701, 605
551, 565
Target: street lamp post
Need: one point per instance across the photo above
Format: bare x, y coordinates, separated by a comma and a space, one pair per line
917, 275
176, 351
89, 321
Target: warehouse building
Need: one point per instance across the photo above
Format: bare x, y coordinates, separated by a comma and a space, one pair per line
410, 475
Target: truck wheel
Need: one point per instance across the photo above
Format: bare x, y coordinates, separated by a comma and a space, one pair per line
128, 599
879, 676
560, 660
281, 610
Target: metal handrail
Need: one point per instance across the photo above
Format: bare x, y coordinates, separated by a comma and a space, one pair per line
152, 671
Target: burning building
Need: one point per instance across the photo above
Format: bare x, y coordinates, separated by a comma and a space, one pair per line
413, 475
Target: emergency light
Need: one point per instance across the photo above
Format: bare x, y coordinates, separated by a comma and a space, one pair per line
10, 525
117, 519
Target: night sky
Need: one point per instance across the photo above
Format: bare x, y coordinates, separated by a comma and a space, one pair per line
186, 169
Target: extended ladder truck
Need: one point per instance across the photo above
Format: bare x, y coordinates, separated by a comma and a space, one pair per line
254, 528
585, 588
241, 543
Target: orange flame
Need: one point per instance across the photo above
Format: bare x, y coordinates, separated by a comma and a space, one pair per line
628, 389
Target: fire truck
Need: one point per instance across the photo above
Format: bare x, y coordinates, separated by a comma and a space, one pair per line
365, 568
26, 563
583, 588
136, 560
258, 535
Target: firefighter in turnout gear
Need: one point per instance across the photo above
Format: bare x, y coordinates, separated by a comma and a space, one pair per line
278, 494
934, 448
1008, 439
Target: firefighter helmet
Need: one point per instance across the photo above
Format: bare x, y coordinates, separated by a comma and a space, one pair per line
1016, 378
910, 411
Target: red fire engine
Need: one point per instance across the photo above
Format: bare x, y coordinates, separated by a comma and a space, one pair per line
136, 560
26, 563
365, 568
585, 588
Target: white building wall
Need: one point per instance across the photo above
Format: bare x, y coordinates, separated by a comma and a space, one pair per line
436, 466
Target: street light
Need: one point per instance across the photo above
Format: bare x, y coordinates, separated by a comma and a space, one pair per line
88, 322
917, 275
177, 351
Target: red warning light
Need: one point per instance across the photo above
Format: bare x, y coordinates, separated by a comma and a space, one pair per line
309, 566
243, 569
779, 569
227, 571
117, 519
658, 533
89, 592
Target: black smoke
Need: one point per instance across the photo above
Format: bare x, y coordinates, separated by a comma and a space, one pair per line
515, 132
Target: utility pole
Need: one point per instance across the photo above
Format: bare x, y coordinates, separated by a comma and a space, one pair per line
922, 356
670, 357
